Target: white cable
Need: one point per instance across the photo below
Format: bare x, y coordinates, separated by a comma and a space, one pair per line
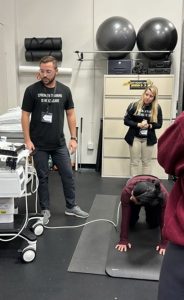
30, 171
76, 226
93, 221
22, 228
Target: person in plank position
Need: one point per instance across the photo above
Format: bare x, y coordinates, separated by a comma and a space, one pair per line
142, 191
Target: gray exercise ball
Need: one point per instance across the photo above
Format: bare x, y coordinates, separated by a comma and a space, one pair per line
157, 34
116, 34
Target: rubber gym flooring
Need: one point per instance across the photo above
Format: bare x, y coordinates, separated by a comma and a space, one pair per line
47, 277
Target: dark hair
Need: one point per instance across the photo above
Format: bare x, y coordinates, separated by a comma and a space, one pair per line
49, 58
148, 193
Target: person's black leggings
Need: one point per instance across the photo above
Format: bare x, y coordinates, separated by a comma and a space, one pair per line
153, 215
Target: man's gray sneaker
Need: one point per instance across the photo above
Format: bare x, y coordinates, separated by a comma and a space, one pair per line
46, 215
76, 211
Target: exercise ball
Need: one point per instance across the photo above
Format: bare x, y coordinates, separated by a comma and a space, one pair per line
157, 34
116, 34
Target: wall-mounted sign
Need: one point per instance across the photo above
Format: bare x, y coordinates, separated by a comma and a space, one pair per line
138, 84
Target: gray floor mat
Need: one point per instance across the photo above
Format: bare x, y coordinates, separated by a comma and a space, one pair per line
91, 252
140, 262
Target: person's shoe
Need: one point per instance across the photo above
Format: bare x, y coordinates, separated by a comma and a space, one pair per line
76, 211
46, 215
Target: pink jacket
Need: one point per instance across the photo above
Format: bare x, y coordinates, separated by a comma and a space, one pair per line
171, 158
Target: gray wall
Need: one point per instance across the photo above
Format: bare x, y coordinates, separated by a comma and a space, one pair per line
9, 76
76, 21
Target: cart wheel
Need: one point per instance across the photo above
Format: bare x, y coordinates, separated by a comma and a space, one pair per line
28, 255
38, 229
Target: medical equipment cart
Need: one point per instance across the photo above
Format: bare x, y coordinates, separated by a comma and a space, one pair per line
16, 172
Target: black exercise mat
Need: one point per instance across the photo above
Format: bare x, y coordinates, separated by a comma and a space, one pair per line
36, 55
91, 252
48, 43
142, 261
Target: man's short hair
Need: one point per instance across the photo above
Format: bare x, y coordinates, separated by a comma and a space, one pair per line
49, 58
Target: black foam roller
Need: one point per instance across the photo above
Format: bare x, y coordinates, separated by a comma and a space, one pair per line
37, 55
48, 43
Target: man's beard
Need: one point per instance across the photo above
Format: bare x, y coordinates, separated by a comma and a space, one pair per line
46, 81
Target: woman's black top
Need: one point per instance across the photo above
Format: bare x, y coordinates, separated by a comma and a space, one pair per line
132, 120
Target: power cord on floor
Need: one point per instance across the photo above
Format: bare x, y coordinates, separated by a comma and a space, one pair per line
33, 172
93, 221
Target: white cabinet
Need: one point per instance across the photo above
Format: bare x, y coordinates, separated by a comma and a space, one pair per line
119, 92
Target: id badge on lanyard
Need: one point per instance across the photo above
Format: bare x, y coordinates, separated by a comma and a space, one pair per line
46, 117
143, 132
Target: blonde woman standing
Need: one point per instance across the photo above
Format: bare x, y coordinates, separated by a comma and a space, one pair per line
143, 117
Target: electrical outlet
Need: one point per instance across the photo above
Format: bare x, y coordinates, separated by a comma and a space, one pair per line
90, 146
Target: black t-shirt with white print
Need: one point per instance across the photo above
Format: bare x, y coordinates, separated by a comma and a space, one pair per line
47, 106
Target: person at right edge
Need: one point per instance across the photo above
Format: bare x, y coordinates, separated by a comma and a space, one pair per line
143, 117
171, 158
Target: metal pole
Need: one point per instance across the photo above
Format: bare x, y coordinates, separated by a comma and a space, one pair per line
76, 153
80, 148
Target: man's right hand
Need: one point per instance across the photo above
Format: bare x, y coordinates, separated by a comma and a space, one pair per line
123, 247
30, 146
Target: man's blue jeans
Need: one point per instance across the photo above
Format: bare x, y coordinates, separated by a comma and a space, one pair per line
61, 159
